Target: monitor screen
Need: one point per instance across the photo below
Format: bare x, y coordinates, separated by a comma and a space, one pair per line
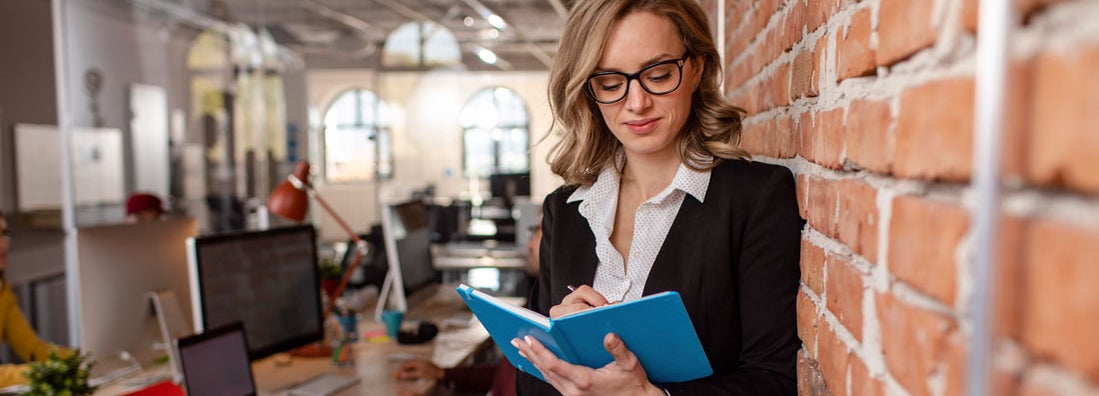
117, 268
216, 362
509, 185
266, 279
413, 240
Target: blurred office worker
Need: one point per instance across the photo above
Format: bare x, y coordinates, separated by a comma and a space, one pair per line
19, 335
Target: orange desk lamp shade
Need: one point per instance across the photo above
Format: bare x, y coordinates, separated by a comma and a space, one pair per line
290, 200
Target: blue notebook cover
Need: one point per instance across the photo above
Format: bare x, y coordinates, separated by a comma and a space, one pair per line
656, 328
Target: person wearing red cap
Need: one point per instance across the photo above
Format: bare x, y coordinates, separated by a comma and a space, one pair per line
143, 207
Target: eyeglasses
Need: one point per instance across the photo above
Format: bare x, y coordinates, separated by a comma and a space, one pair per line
658, 79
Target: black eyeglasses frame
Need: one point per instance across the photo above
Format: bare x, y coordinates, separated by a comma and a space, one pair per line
679, 62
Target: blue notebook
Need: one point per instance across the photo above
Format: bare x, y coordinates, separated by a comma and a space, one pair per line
656, 328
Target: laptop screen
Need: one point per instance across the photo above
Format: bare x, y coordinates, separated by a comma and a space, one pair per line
216, 363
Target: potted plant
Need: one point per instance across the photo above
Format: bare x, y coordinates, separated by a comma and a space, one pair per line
330, 274
60, 375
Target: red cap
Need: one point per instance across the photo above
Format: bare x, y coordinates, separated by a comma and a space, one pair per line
139, 202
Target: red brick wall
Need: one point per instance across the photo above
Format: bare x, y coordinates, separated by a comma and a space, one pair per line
871, 104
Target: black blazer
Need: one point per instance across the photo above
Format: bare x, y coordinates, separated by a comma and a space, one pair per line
734, 261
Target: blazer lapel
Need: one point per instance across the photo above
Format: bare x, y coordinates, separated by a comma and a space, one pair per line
667, 272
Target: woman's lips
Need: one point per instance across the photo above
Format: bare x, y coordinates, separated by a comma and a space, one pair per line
642, 126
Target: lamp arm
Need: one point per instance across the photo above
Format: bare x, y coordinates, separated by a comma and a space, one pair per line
360, 246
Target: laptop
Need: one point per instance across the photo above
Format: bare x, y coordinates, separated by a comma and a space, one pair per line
216, 362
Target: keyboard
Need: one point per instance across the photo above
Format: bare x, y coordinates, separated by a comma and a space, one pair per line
323, 385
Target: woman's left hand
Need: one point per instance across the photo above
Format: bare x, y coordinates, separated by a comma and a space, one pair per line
623, 376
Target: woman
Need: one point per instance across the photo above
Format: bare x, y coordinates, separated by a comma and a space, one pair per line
658, 197
15, 331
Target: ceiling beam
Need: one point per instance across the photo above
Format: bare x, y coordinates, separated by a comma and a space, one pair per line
405, 11
560, 8
533, 48
344, 18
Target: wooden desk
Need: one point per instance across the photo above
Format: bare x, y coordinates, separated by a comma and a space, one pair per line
373, 363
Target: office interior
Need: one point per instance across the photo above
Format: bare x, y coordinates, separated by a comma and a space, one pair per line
211, 104
892, 246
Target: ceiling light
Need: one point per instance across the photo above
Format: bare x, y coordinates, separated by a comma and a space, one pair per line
496, 21
486, 56
468, 21
493, 33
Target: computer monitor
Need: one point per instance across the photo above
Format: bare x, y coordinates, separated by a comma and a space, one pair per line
267, 280
372, 267
509, 185
407, 237
117, 267
215, 362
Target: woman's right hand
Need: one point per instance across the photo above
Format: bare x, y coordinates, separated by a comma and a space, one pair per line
584, 297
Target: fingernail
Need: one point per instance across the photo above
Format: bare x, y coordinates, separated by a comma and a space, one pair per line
528, 340
523, 355
515, 343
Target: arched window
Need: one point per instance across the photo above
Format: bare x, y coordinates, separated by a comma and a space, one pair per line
421, 44
495, 133
356, 138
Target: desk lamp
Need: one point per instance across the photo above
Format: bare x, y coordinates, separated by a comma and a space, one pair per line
291, 199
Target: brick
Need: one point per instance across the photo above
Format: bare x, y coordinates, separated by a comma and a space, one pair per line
913, 340
1017, 118
844, 288
832, 358
810, 380
766, 93
812, 266
801, 74
935, 130
794, 23
785, 137
923, 238
753, 136
969, 15
808, 320
904, 27
956, 358
867, 138
1060, 271
738, 43
801, 185
855, 57
1010, 285
740, 75
773, 138
774, 48
780, 90
823, 143
1066, 96
818, 66
820, 11
857, 222
820, 205
862, 384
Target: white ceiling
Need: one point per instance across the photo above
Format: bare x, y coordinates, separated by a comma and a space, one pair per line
350, 33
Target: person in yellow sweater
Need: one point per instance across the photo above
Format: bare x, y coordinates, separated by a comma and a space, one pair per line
14, 328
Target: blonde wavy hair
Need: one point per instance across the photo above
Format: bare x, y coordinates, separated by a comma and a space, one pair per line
587, 144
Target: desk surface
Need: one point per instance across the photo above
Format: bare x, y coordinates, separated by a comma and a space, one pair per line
374, 362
